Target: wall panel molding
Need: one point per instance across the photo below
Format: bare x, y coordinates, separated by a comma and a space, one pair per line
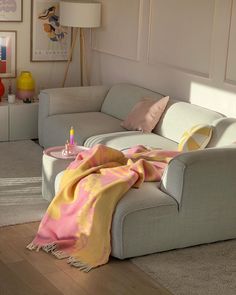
119, 37
230, 64
190, 47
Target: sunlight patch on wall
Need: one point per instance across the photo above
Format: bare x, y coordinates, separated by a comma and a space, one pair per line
213, 98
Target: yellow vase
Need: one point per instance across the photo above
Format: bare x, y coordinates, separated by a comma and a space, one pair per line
25, 86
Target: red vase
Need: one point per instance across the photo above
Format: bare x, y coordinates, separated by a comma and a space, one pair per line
2, 89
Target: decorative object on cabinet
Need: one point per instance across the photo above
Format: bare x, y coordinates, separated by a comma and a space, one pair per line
7, 54
49, 40
79, 15
2, 89
11, 97
25, 86
11, 11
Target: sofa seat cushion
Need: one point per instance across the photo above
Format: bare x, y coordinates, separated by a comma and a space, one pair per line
143, 213
85, 125
127, 139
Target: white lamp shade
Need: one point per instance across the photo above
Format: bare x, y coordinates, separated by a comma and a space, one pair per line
80, 14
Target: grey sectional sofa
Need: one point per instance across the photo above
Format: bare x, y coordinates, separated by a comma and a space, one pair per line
195, 202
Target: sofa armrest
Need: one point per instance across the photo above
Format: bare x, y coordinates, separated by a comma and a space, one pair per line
72, 99
196, 178
69, 100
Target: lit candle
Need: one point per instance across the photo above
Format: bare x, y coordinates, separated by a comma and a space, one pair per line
72, 132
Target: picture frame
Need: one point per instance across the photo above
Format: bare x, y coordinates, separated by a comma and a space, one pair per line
8, 42
49, 40
11, 11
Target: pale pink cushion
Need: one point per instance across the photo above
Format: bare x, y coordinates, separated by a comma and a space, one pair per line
145, 114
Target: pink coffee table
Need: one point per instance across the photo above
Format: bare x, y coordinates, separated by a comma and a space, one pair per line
56, 152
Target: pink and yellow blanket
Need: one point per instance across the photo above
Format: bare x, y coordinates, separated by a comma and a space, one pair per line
78, 221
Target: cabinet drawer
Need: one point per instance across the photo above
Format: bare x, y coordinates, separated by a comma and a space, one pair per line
23, 121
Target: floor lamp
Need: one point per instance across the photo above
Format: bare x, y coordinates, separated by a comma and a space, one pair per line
79, 15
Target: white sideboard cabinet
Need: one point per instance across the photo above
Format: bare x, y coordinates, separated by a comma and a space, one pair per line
4, 122
18, 121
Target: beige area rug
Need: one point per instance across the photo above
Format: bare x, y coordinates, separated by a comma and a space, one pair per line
20, 183
202, 270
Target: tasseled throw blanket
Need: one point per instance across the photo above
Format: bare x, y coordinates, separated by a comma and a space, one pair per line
78, 221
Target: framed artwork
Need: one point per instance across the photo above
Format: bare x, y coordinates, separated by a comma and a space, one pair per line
49, 40
7, 54
11, 10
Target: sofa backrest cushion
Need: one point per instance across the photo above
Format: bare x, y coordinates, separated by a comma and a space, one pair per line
224, 132
122, 97
180, 116
177, 117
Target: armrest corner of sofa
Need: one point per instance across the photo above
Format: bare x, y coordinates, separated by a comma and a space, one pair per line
201, 173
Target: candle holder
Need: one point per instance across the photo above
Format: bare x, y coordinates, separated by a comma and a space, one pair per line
70, 149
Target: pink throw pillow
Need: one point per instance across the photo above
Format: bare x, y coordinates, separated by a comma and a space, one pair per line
145, 114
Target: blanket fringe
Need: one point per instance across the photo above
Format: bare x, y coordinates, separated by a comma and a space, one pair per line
52, 248
32, 247
60, 254
80, 265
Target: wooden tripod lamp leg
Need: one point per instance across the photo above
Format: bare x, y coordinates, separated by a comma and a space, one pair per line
81, 57
70, 55
83, 62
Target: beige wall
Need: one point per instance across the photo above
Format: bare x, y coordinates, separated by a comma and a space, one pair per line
46, 74
184, 48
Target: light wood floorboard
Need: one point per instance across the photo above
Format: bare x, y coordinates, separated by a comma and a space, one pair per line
23, 272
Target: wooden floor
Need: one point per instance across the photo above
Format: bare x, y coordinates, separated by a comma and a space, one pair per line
23, 272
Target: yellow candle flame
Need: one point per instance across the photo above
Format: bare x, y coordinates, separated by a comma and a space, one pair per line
72, 132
